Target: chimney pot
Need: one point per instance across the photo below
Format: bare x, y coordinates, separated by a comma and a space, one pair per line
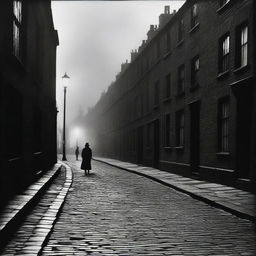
167, 9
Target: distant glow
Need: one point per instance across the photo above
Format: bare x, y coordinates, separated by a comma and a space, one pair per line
77, 137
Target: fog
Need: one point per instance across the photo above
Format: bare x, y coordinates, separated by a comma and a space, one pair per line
95, 38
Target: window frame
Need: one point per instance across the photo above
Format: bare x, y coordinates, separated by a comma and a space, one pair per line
240, 46
224, 2
224, 53
167, 130
168, 86
180, 128
17, 21
181, 80
194, 21
181, 30
194, 72
156, 93
224, 125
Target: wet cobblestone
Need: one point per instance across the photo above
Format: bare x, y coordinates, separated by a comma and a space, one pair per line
114, 212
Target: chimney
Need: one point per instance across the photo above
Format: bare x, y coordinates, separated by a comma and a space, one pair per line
133, 54
124, 66
151, 32
167, 9
165, 17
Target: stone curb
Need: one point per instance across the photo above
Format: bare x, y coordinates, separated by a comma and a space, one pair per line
52, 214
16, 209
235, 210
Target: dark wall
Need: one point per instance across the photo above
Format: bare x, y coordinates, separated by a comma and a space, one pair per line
131, 108
27, 95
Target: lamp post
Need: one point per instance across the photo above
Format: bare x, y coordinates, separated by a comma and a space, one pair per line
65, 80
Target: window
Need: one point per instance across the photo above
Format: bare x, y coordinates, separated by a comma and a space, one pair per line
194, 15
180, 128
17, 19
168, 86
168, 41
223, 2
181, 31
224, 50
156, 93
167, 130
195, 65
242, 46
223, 123
181, 80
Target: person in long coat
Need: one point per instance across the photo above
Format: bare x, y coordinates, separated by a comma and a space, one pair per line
77, 152
86, 158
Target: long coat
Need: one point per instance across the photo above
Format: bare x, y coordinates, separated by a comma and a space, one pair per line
86, 159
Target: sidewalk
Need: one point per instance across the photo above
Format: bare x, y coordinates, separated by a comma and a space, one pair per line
235, 201
19, 206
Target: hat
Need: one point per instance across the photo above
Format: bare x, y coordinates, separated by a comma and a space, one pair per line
87, 144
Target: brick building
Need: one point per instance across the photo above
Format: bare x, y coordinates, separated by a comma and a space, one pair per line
27, 92
186, 102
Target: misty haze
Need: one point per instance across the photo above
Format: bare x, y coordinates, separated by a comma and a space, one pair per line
95, 39
127, 128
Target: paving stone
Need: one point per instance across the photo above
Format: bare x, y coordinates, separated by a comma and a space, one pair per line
36, 226
114, 212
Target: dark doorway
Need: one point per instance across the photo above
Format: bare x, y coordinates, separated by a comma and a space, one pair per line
140, 145
244, 112
156, 144
195, 137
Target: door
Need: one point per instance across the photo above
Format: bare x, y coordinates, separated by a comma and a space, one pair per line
156, 144
195, 137
140, 145
244, 117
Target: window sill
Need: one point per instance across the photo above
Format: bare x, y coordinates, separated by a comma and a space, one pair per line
223, 74
13, 159
37, 153
194, 28
223, 7
167, 148
167, 55
180, 43
179, 148
241, 69
223, 154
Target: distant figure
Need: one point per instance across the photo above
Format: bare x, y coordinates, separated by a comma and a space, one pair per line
77, 152
86, 158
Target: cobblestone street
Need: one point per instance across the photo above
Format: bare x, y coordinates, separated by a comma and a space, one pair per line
114, 212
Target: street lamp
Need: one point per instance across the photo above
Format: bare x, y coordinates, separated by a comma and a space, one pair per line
65, 80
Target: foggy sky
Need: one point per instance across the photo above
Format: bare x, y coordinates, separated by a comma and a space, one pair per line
95, 38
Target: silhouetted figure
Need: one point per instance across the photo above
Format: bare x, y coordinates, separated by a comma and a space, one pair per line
86, 158
77, 152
